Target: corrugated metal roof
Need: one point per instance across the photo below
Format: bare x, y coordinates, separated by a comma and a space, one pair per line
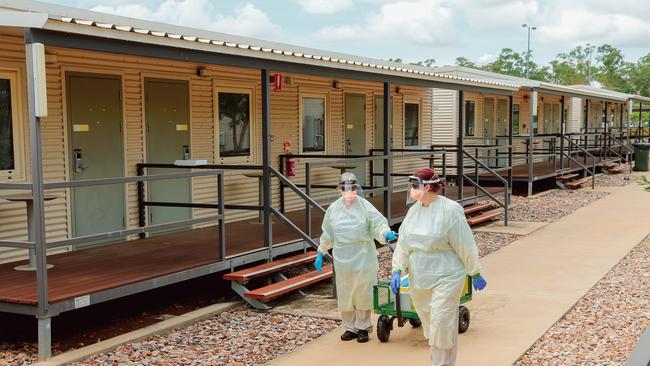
529, 83
112, 25
633, 97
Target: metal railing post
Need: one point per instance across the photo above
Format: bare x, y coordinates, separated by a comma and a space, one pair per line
142, 214
460, 165
221, 212
308, 193
533, 123
34, 59
510, 132
266, 161
388, 154
282, 198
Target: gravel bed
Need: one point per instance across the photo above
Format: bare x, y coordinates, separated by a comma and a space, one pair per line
615, 180
486, 242
18, 355
552, 205
604, 326
237, 337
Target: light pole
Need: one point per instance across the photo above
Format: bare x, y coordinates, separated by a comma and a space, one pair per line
589, 50
528, 50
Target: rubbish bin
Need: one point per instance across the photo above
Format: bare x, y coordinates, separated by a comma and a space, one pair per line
641, 151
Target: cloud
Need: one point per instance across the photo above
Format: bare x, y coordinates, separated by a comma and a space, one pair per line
422, 21
576, 26
247, 20
324, 6
486, 58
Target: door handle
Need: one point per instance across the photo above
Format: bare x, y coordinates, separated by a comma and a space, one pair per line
348, 145
78, 162
186, 152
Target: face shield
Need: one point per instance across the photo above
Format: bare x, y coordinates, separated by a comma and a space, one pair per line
416, 188
349, 188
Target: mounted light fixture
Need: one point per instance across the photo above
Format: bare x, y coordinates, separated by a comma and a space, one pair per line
336, 84
203, 72
526, 98
398, 90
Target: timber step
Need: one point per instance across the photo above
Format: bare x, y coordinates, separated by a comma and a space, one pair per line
490, 215
577, 183
567, 176
481, 212
608, 165
477, 207
245, 275
292, 284
617, 169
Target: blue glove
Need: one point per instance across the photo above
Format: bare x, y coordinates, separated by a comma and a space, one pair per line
479, 282
318, 263
394, 282
390, 236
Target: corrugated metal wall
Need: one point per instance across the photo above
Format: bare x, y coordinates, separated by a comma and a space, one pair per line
285, 115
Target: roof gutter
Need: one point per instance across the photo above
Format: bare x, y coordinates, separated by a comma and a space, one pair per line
22, 19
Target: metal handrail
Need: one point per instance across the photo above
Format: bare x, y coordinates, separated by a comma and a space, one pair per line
308, 200
295, 189
621, 143
587, 154
478, 186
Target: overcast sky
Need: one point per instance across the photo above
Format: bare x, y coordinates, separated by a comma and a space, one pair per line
410, 29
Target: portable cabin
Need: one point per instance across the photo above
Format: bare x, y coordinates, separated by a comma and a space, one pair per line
550, 139
151, 154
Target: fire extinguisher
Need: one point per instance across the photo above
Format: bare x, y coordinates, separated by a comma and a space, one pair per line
289, 163
290, 167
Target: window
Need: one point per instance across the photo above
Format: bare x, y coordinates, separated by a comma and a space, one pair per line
515, 119
313, 124
7, 156
411, 124
234, 111
470, 117
10, 128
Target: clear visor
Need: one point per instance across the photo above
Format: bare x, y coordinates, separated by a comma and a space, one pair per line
350, 192
416, 189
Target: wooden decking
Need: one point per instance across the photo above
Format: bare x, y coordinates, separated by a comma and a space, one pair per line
545, 169
110, 266
104, 267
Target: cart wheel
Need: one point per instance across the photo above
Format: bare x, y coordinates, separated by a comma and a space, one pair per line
463, 319
383, 328
415, 323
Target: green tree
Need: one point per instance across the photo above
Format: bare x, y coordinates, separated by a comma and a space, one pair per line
464, 62
574, 67
512, 63
639, 74
426, 63
613, 70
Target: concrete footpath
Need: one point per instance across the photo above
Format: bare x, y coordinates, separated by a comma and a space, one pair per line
531, 283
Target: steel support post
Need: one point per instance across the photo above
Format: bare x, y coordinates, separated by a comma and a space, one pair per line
36, 80
586, 144
533, 123
266, 162
459, 142
388, 160
510, 118
562, 130
629, 120
605, 152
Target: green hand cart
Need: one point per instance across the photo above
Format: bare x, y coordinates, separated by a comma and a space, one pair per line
389, 308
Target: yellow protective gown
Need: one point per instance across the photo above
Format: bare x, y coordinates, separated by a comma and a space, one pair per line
436, 248
350, 231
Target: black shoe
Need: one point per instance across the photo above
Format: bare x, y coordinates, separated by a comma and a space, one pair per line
348, 336
362, 336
